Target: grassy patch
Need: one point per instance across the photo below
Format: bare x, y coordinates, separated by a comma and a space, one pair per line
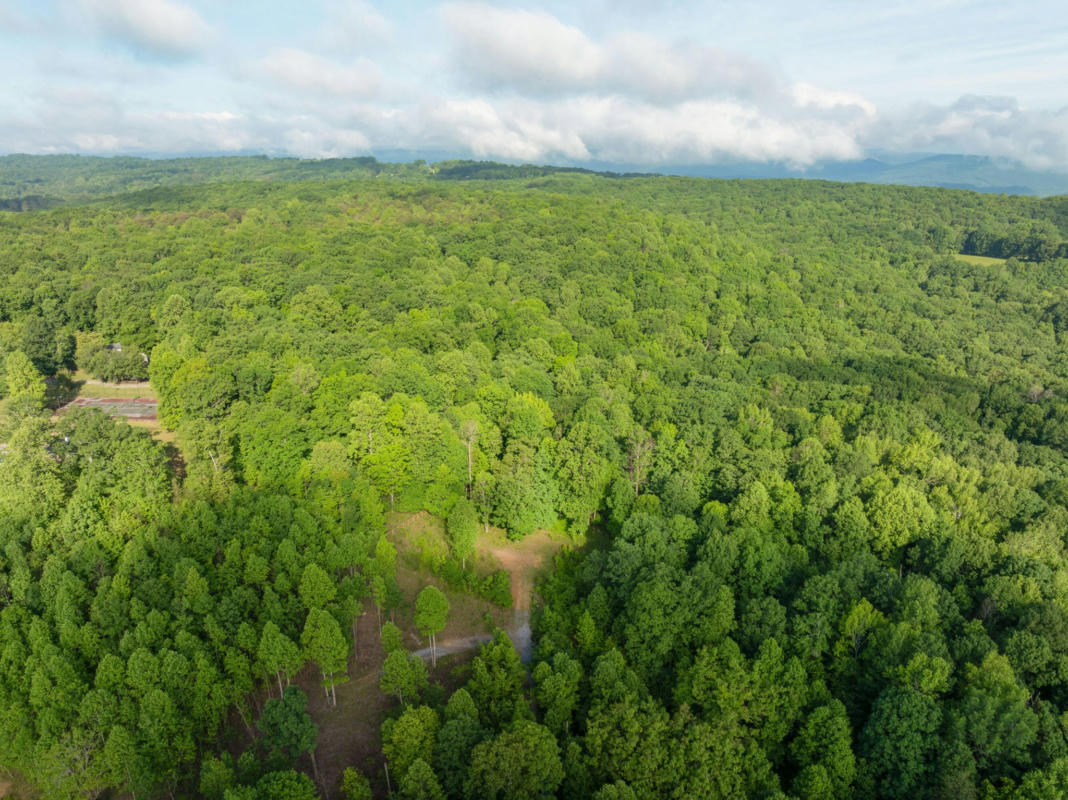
154, 428
15, 787
126, 391
982, 261
468, 615
420, 539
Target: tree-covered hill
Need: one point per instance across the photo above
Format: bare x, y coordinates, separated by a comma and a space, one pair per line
31, 182
826, 454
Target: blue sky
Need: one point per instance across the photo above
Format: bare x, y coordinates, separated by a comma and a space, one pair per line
628, 81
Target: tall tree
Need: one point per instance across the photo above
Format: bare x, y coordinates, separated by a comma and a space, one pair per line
431, 611
403, 674
523, 763
325, 644
287, 728
25, 388
462, 528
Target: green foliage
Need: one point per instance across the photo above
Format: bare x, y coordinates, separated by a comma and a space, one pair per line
286, 785
355, 786
392, 638
431, 610
323, 643
25, 388
403, 674
462, 528
410, 738
286, 726
420, 783
818, 459
521, 763
496, 682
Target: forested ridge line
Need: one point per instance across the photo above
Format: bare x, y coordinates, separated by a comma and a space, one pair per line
826, 455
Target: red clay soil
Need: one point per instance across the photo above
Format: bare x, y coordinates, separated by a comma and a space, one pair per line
522, 560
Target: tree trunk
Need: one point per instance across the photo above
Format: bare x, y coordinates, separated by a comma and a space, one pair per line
278, 675
388, 787
433, 652
315, 767
244, 719
468, 470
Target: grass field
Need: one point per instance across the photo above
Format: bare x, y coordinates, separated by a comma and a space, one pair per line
982, 261
67, 388
88, 387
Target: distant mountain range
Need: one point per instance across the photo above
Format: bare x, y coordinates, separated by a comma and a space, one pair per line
977, 173
28, 182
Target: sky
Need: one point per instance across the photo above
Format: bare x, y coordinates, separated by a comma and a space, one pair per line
603, 81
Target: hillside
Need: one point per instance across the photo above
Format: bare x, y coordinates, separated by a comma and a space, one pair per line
804, 463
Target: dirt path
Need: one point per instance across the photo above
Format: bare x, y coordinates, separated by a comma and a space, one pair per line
450, 646
349, 733
523, 560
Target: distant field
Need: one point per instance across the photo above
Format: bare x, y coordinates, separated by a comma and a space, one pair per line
89, 392
987, 261
88, 387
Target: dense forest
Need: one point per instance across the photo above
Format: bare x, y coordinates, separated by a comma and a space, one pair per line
809, 448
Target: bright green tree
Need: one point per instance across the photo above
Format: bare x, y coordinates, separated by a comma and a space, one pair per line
410, 737
25, 388
325, 644
462, 528
523, 763
403, 674
431, 611
420, 783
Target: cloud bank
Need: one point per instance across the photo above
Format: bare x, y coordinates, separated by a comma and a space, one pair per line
162, 27
348, 77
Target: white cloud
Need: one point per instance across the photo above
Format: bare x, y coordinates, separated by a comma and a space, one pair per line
808, 96
313, 140
512, 133
14, 19
307, 72
163, 27
527, 50
980, 125
533, 52
354, 22
659, 71
555, 92
621, 130
501, 82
